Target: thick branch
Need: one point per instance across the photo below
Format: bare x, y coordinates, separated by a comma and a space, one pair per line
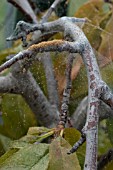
23, 28
45, 113
47, 62
25, 7
50, 79
79, 116
8, 84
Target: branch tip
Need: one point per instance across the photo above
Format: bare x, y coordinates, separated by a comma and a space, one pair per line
77, 144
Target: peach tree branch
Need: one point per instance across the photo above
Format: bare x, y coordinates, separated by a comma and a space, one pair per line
46, 114
96, 87
79, 116
49, 11
47, 63
66, 94
25, 7
8, 84
105, 159
50, 80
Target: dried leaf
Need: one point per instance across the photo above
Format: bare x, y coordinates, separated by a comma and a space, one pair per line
59, 159
93, 10
106, 47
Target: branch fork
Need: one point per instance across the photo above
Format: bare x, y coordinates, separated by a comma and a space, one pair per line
97, 89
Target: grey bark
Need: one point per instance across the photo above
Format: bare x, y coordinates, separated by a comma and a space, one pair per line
97, 89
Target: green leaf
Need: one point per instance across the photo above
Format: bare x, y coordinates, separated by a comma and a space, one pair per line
74, 5
7, 156
59, 159
37, 130
36, 134
10, 51
71, 135
23, 155
18, 144
93, 10
110, 129
26, 158
42, 164
17, 116
4, 142
106, 48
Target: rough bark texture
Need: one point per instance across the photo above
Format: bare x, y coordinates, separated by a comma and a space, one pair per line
97, 89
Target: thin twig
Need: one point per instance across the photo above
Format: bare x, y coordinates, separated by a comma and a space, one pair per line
78, 144
105, 159
66, 93
50, 10
108, 1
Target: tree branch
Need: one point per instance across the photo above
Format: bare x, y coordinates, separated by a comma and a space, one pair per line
78, 144
47, 62
66, 93
96, 87
8, 84
23, 28
25, 7
50, 79
50, 10
29, 89
55, 45
105, 159
79, 116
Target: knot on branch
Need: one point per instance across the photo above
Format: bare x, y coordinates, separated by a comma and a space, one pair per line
21, 31
105, 91
106, 94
